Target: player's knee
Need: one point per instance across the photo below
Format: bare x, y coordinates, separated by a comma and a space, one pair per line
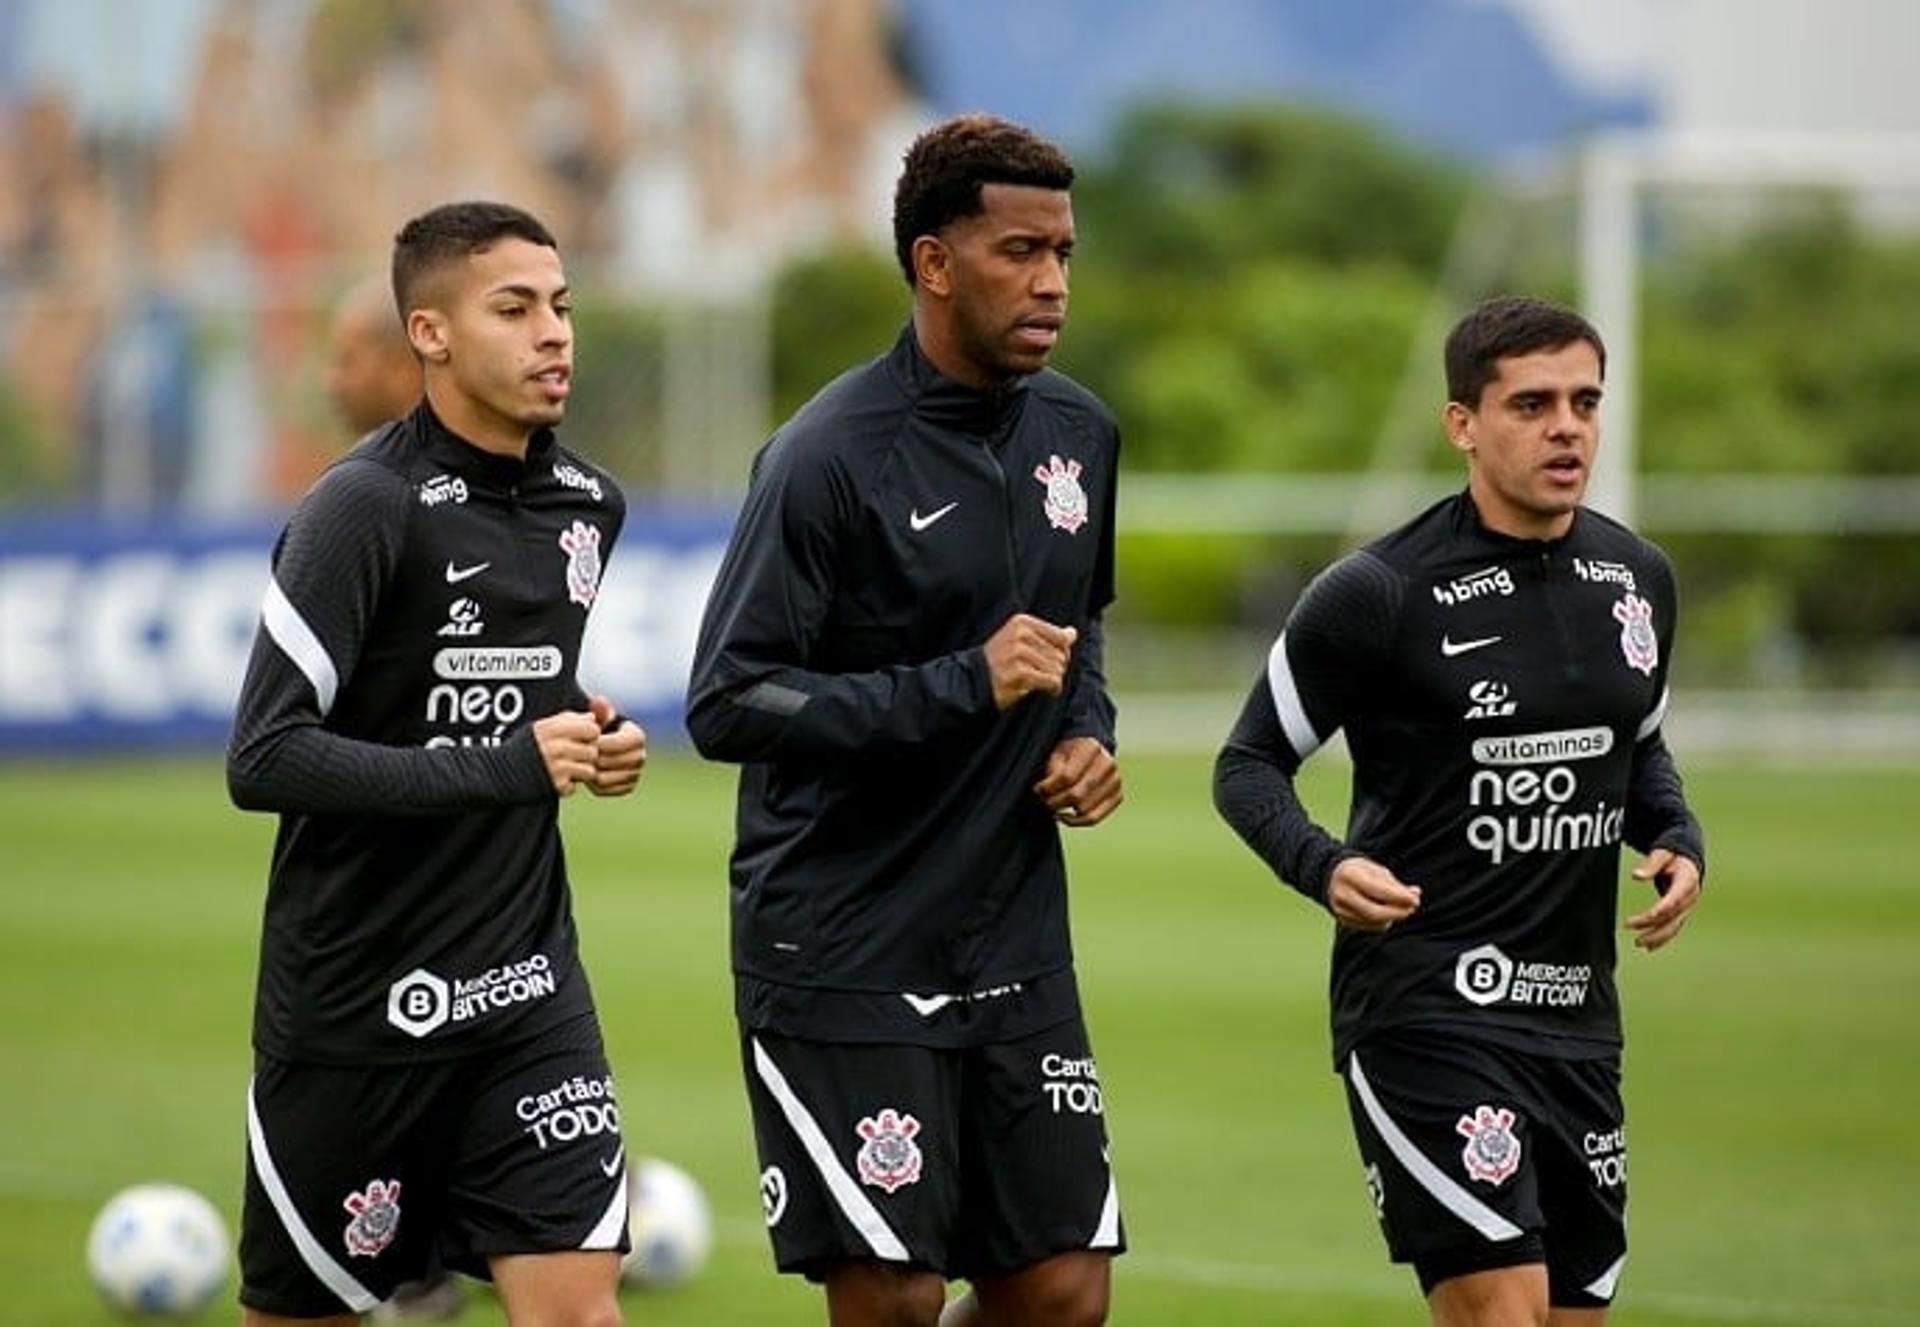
864, 1293
1070, 1291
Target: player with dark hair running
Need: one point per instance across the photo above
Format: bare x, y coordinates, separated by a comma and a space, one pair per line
430, 1086
902, 650
1499, 665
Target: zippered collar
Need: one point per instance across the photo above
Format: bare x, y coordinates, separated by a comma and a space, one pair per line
454, 453
1464, 519
940, 400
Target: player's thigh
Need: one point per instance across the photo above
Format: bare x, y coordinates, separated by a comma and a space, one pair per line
859, 1149
1064, 1290
1037, 1175
1500, 1297
576, 1289
346, 1170
539, 1163
1583, 1189
1447, 1133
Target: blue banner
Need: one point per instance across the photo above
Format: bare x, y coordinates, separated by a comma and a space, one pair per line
123, 634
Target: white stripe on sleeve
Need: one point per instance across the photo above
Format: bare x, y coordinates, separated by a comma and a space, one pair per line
296, 639
1651, 724
321, 1263
854, 1205
1286, 701
1429, 1176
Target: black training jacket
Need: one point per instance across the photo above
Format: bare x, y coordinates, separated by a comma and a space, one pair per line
894, 877
426, 607
1502, 701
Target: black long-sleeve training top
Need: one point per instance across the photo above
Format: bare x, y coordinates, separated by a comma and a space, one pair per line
1502, 701
894, 877
426, 607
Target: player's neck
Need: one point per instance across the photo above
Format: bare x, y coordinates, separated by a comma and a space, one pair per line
1517, 522
937, 342
474, 423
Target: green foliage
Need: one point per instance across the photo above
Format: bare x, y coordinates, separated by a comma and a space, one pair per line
26, 470
831, 312
1248, 282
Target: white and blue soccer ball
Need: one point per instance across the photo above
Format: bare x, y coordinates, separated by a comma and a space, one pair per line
668, 1222
158, 1249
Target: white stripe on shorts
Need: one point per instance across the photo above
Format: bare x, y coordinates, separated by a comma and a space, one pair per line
1430, 1177
331, 1274
1108, 1234
854, 1204
1603, 1285
606, 1235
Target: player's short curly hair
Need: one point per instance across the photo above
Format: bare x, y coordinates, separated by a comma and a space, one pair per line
1504, 326
946, 166
455, 231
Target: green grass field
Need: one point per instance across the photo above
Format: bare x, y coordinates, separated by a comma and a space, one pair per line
1771, 1069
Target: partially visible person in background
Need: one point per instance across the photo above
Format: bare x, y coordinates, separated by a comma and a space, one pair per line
372, 375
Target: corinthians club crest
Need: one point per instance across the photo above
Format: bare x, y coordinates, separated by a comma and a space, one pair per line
1492, 1152
1066, 504
376, 1218
581, 544
1637, 641
889, 1158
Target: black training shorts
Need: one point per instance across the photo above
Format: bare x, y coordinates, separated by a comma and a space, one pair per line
967, 1162
1479, 1156
359, 1179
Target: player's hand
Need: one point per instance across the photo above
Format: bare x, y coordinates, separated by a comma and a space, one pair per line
1368, 897
1679, 892
569, 743
1028, 654
1082, 783
619, 755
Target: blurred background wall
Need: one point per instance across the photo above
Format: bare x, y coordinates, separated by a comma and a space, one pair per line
1282, 206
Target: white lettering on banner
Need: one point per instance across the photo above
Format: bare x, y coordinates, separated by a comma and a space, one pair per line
36, 681
640, 637
134, 637
159, 634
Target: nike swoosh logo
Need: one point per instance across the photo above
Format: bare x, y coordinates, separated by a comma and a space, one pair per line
1449, 648
611, 1166
457, 574
919, 522
927, 1005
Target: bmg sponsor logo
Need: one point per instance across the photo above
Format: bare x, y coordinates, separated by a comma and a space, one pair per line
1606, 573
1475, 585
422, 1002
1071, 1086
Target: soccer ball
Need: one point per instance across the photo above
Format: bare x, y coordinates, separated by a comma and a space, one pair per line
668, 1221
158, 1249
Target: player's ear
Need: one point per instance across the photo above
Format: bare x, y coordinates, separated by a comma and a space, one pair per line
1458, 421
427, 332
932, 265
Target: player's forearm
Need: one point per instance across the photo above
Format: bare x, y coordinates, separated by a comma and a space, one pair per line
303, 768
787, 712
1257, 798
1090, 709
1657, 812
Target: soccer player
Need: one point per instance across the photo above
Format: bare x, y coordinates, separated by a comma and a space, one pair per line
902, 650
1499, 664
430, 1086
372, 373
